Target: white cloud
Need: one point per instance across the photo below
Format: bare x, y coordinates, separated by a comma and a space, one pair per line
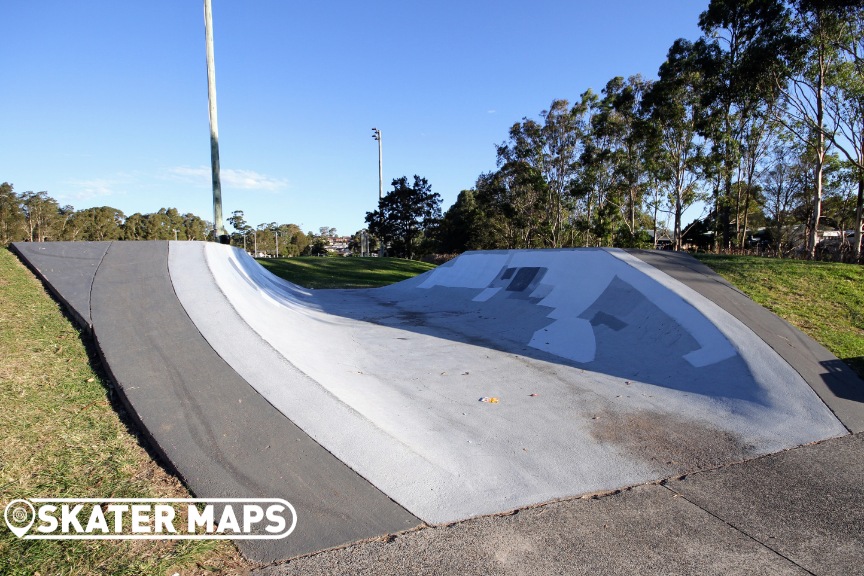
231, 178
88, 189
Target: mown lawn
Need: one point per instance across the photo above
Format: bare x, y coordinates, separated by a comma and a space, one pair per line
62, 435
823, 299
341, 272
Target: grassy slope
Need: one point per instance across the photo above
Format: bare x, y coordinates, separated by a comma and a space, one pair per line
339, 272
61, 436
823, 299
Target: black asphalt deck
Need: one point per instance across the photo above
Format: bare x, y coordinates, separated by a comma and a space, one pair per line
68, 269
832, 379
216, 431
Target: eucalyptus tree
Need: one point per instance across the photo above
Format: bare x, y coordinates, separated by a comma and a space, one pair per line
41, 214
464, 226
11, 216
818, 29
783, 187
551, 149
512, 202
134, 227
674, 107
620, 126
98, 224
194, 227
745, 41
845, 103
594, 188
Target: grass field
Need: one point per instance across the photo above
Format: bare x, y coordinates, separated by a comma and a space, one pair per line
339, 272
823, 299
62, 435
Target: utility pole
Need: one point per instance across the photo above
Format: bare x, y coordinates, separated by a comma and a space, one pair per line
376, 134
218, 228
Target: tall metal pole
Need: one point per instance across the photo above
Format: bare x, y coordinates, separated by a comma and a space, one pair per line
380, 166
376, 134
218, 227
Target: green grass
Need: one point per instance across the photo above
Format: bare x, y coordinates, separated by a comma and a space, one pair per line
61, 435
341, 272
823, 299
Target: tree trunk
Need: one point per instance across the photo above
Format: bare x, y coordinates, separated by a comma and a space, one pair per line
817, 207
820, 151
859, 207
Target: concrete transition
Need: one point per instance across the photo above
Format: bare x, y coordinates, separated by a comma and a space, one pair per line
497, 381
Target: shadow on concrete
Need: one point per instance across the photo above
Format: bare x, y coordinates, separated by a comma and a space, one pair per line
842, 380
635, 340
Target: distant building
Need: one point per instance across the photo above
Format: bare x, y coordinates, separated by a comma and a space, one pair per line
339, 245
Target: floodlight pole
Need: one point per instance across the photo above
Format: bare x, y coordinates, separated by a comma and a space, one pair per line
376, 134
218, 227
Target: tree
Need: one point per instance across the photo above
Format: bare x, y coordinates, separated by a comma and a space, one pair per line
297, 240
810, 60
134, 228
783, 188
745, 41
845, 104
98, 224
40, 215
404, 214
464, 226
623, 121
674, 106
11, 216
552, 150
241, 228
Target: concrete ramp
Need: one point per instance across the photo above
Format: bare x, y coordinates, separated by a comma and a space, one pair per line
499, 380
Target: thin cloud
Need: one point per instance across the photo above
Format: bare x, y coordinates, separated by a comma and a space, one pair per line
88, 189
231, 178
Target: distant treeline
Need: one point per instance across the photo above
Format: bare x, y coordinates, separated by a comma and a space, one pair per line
37, 217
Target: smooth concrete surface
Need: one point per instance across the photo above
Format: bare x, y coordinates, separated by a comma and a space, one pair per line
835, 382
797, 512
807, 504
656, 380
68, 269
220, 435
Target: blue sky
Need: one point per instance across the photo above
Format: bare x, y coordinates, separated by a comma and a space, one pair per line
105, 102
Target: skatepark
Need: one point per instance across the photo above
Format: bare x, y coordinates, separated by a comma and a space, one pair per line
502, 382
